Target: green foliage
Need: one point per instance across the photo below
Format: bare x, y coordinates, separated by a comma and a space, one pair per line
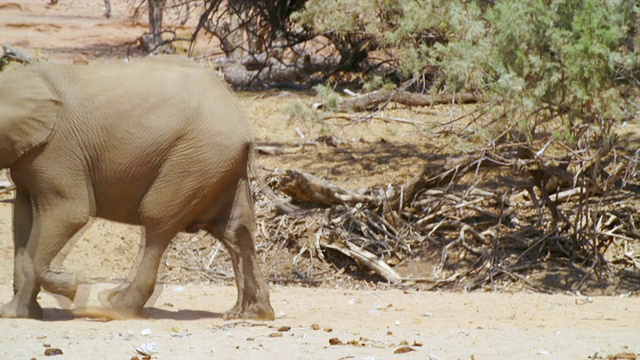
329, 98
540, 59
568, 67
563, 58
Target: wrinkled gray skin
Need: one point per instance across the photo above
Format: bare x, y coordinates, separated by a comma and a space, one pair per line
160, 143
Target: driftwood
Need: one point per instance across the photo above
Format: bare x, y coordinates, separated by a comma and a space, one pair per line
264, 71
374, 99
6, 186
367, 259
306, 188
278, 150
434, 176
11, 54
481, 235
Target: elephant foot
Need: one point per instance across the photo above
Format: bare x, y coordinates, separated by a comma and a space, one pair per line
253, 311
117, 304
123, 302
14, 309
61, 283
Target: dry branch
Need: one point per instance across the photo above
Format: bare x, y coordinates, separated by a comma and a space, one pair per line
306, 188
372, 100
454, 170
482, 237
367, 259
11, 54
6, 186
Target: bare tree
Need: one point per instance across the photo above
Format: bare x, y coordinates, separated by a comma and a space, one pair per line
156, 8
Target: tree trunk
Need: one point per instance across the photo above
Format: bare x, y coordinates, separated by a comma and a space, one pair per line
155, 21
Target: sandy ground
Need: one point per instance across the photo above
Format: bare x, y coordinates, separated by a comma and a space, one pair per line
185, 322
185, 319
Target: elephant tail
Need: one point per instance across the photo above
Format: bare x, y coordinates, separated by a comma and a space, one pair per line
283, 205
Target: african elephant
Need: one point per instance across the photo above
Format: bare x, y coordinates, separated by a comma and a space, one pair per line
160, 143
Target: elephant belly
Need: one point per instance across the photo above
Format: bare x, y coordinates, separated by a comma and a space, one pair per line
119, 203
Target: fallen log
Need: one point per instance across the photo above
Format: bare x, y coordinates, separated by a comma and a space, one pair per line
364, 257
306, 188
374, 99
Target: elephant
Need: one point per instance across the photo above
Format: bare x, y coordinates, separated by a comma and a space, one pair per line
160, 142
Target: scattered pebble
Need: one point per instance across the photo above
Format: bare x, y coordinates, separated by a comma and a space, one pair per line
315, 327
623, 356
147, 349
404, 350
52, 352
335, 341
275, 334
284, 328
175, 332
543, 352
146, 332
328, 329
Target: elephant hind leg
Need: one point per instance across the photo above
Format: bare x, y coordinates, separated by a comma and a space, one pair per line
127, 301
235, 228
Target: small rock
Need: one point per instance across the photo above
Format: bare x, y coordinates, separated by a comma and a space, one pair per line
315, 327
543, 352
403, 350
335, 341
146, 332
374, 312
52, 352
275, 334
80, 59
623, 356
284, 328
328, 329
147, 349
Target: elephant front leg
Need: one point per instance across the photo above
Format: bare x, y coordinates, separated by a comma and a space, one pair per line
25, 285
37, 241
25, 289
127, 301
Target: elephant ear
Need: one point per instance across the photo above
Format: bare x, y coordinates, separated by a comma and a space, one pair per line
28, 114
